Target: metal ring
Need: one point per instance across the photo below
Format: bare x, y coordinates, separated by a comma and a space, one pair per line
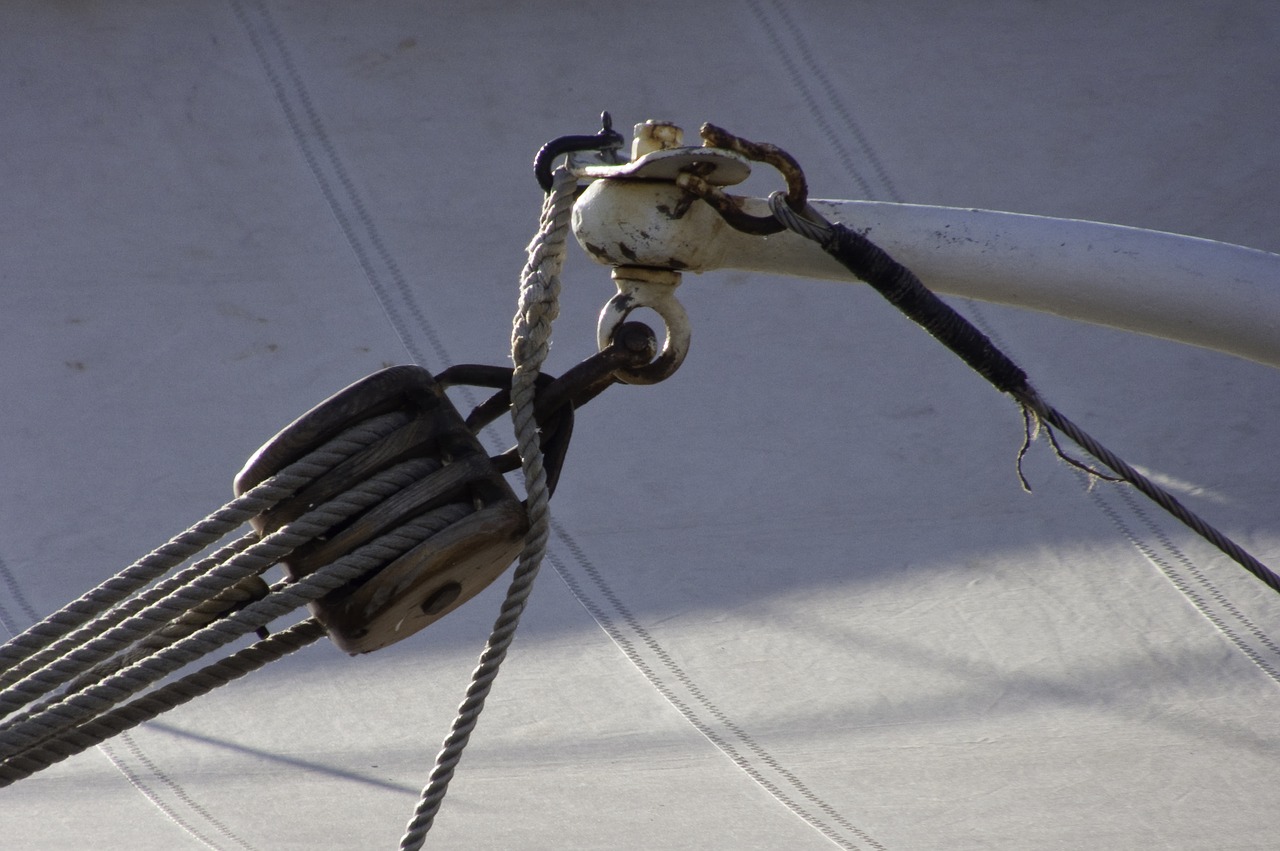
660, 298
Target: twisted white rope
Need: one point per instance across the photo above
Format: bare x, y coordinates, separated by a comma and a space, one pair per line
162, 699
530, 341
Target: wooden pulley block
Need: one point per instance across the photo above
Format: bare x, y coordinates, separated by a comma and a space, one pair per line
481, 524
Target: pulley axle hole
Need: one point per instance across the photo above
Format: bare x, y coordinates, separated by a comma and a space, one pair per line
440, 598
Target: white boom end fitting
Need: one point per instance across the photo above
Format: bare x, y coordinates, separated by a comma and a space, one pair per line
1197, 291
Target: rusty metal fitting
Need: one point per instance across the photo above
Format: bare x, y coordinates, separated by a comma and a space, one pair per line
652, 216
763, 152
642, 218
606, 141
730, 207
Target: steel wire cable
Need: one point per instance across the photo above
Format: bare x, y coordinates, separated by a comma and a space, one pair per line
900, 286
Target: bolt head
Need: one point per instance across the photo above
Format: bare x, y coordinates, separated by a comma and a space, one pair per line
655, 136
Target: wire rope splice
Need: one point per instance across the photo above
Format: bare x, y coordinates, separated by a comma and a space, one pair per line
899, 285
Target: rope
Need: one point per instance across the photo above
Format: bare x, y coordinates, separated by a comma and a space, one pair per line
1152, 491
26, 731
162, 699
906, 292
530, 339
117, 640
88, 718
103, 649
250, 562
235, 597
21, 655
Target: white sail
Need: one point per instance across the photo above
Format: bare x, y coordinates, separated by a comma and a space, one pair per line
795, 595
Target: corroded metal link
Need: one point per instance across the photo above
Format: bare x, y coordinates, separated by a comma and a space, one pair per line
787, 166
730, 207
634, 346
652, 289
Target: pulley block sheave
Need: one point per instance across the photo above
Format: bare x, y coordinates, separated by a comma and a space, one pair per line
439, 574
475, 523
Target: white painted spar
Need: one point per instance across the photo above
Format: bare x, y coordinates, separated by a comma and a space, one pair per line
1198, 291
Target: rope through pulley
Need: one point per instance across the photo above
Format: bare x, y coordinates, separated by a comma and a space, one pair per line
384, 511
380, 506
530, 342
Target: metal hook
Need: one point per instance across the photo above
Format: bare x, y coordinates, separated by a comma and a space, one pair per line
607, 140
